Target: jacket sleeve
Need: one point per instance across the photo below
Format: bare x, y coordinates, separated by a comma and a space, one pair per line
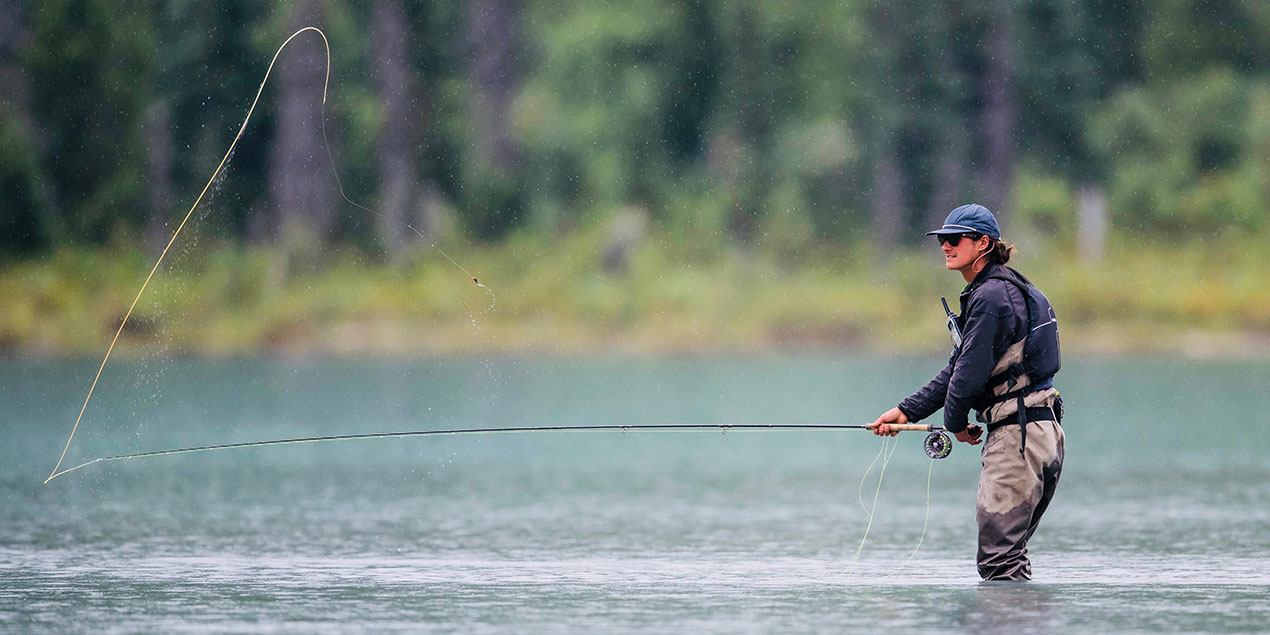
973, 367
928, 398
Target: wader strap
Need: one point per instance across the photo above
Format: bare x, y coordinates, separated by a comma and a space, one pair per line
1010, 374
1022, 426
1026, 415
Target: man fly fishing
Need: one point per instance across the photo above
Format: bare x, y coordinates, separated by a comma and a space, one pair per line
1005, 355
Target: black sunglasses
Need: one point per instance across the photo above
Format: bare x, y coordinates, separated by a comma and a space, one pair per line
955, 239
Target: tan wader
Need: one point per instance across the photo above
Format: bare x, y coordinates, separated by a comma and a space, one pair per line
1014, 491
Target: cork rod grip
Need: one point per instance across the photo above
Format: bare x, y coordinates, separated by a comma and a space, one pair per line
918, 427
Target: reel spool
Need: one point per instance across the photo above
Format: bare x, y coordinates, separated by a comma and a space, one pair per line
938, 445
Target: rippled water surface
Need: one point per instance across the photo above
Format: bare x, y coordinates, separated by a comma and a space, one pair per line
1160, 522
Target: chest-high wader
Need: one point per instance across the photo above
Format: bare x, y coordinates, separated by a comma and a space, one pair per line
1039, 362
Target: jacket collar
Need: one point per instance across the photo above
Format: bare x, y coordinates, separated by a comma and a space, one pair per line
983, 275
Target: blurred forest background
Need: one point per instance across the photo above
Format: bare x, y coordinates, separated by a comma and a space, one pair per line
640, 175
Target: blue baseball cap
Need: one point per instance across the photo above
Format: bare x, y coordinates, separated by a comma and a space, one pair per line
969, 218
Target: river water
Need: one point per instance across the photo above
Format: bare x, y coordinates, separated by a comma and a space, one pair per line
1160, 522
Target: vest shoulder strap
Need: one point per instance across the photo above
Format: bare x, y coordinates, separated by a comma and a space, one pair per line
1022, 284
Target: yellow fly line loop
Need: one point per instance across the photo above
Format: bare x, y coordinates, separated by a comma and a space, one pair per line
215, 173
326, 83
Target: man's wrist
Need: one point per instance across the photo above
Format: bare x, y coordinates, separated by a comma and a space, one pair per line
907, 415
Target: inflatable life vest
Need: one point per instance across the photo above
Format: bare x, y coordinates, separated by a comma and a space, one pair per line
1041, 359
1030, 364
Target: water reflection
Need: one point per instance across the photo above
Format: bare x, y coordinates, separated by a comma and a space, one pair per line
1007, 607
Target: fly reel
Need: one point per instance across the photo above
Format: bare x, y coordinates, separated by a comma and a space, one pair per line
938, 445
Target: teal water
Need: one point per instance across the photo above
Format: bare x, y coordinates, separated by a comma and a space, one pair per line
1160, 522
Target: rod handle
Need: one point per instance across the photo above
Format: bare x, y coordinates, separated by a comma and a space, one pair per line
917, 427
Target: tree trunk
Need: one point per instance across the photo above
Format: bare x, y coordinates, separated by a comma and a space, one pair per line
998, 109
1091, 224
300, 189
890, 112
431, 215
744, 221
492, 189
15, 103
395, 85
888, 201
15, 99
158, 122
494, 76
950, 175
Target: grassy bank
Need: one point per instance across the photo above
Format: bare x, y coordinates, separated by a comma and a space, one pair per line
553, 297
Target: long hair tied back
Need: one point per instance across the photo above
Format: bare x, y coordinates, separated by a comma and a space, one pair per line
999, 252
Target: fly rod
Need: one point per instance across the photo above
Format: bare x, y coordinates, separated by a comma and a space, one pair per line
937, 445
189, 214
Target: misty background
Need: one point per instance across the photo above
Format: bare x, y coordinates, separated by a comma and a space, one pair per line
655, 174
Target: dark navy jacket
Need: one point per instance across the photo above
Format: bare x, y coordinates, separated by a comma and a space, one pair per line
993, 316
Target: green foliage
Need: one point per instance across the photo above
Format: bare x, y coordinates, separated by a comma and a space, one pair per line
1190, 37
1182, 155
86, 58
745, 123
24, 223
1045, 205
553, 297
1072, 54
599, 115
493, 203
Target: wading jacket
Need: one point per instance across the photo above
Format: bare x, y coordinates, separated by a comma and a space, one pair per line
993, 322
